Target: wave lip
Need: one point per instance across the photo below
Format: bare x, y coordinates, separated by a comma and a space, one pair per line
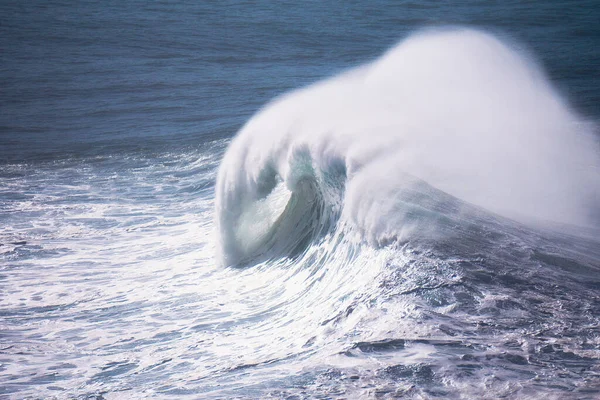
457, 109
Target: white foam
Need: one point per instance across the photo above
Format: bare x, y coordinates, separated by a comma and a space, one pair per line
457, 108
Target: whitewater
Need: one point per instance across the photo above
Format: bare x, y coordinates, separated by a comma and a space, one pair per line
455, 109
425, 225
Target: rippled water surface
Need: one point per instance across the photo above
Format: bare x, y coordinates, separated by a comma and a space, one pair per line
114, 120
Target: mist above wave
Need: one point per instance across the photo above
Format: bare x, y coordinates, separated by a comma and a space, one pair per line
456, 109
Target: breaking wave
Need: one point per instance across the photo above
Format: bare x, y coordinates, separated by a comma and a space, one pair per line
445, 121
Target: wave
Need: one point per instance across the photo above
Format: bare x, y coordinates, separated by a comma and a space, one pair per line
447, 119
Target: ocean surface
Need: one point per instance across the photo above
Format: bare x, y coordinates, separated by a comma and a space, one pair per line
298, 200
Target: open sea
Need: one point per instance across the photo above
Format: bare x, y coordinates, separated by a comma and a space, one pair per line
299, 200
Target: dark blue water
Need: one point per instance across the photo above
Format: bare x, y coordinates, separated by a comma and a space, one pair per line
114, 117
134, 75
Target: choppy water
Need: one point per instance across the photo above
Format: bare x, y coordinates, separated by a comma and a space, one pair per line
114, 120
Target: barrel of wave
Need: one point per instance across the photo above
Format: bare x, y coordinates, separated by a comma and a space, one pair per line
467, 113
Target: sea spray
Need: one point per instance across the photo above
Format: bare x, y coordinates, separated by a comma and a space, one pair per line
453, 110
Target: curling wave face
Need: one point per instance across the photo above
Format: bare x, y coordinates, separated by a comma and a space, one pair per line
456, 110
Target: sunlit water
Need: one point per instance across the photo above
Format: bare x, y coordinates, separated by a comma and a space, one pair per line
110, 288
114, 121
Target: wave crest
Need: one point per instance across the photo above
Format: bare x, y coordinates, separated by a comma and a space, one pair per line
453, 111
